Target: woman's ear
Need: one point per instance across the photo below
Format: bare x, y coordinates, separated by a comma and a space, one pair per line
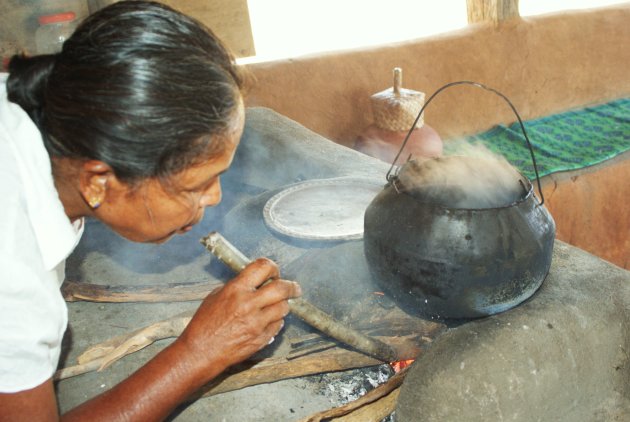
94, 178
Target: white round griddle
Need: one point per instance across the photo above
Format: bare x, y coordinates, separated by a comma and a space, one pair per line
322, 209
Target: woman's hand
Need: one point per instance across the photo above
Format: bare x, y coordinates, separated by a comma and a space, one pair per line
238, 319
231, 324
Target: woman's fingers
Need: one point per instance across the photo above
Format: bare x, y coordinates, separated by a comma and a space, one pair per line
252, 277
256, 273
272, 331
274, 313
242, 317
276, 291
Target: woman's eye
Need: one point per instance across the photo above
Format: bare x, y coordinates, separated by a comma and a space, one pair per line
203, 188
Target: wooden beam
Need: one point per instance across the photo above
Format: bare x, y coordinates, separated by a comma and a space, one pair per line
494, 11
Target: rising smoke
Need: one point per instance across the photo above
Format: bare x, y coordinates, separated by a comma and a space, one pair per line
471, 178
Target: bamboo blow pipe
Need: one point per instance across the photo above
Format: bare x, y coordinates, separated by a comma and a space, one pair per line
309, 313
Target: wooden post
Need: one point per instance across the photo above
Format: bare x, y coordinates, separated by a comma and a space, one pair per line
493, 11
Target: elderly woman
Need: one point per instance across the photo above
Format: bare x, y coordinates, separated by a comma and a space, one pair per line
132, 123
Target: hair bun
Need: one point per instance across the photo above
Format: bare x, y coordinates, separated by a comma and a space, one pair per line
28, 77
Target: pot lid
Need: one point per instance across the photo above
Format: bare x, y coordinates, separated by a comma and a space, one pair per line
322, 209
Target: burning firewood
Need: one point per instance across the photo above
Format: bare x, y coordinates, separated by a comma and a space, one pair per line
375, 405
266, 371
277, 369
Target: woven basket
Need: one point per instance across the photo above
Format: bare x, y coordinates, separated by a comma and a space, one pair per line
396, 108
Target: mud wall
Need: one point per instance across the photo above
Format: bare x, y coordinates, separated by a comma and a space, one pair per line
591, 209
545, 65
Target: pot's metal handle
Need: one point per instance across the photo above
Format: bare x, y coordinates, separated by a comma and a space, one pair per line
389, 176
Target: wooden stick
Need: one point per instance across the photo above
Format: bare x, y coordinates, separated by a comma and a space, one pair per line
102, 355
370, 397
73, 371
277, 369
307, 350
373, 412
122, 345
309, 313
265, 371
146, 337
173, 292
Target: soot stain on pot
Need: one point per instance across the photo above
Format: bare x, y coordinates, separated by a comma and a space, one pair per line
483, 255
502, 296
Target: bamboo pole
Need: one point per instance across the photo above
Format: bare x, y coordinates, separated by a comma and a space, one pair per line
233, 258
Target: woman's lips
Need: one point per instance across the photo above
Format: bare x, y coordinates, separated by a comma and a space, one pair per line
184, 229
188, 227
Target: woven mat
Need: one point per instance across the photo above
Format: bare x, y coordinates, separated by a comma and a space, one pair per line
567, 141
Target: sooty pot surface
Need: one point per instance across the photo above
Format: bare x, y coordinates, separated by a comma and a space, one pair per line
444, 262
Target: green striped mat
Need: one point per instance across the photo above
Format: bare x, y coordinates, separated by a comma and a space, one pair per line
567, 141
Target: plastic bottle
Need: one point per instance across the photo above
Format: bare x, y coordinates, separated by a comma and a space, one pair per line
53, 31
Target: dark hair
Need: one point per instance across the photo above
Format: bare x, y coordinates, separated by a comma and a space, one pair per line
139, 86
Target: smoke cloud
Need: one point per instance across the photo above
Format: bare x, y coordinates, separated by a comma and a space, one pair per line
472, 178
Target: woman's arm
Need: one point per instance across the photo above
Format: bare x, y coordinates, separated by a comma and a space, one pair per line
229, 326
37, 404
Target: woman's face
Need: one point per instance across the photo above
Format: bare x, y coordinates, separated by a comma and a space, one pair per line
155, 210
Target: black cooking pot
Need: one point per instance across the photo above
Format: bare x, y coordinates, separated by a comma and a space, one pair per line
439, 259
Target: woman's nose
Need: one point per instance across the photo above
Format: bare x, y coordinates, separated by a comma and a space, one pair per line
212, 196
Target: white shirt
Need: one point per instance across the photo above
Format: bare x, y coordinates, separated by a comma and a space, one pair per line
36, 237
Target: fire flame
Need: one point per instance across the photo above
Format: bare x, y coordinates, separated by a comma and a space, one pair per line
400, 365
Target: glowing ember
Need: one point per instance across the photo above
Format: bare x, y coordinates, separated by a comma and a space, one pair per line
401, 364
